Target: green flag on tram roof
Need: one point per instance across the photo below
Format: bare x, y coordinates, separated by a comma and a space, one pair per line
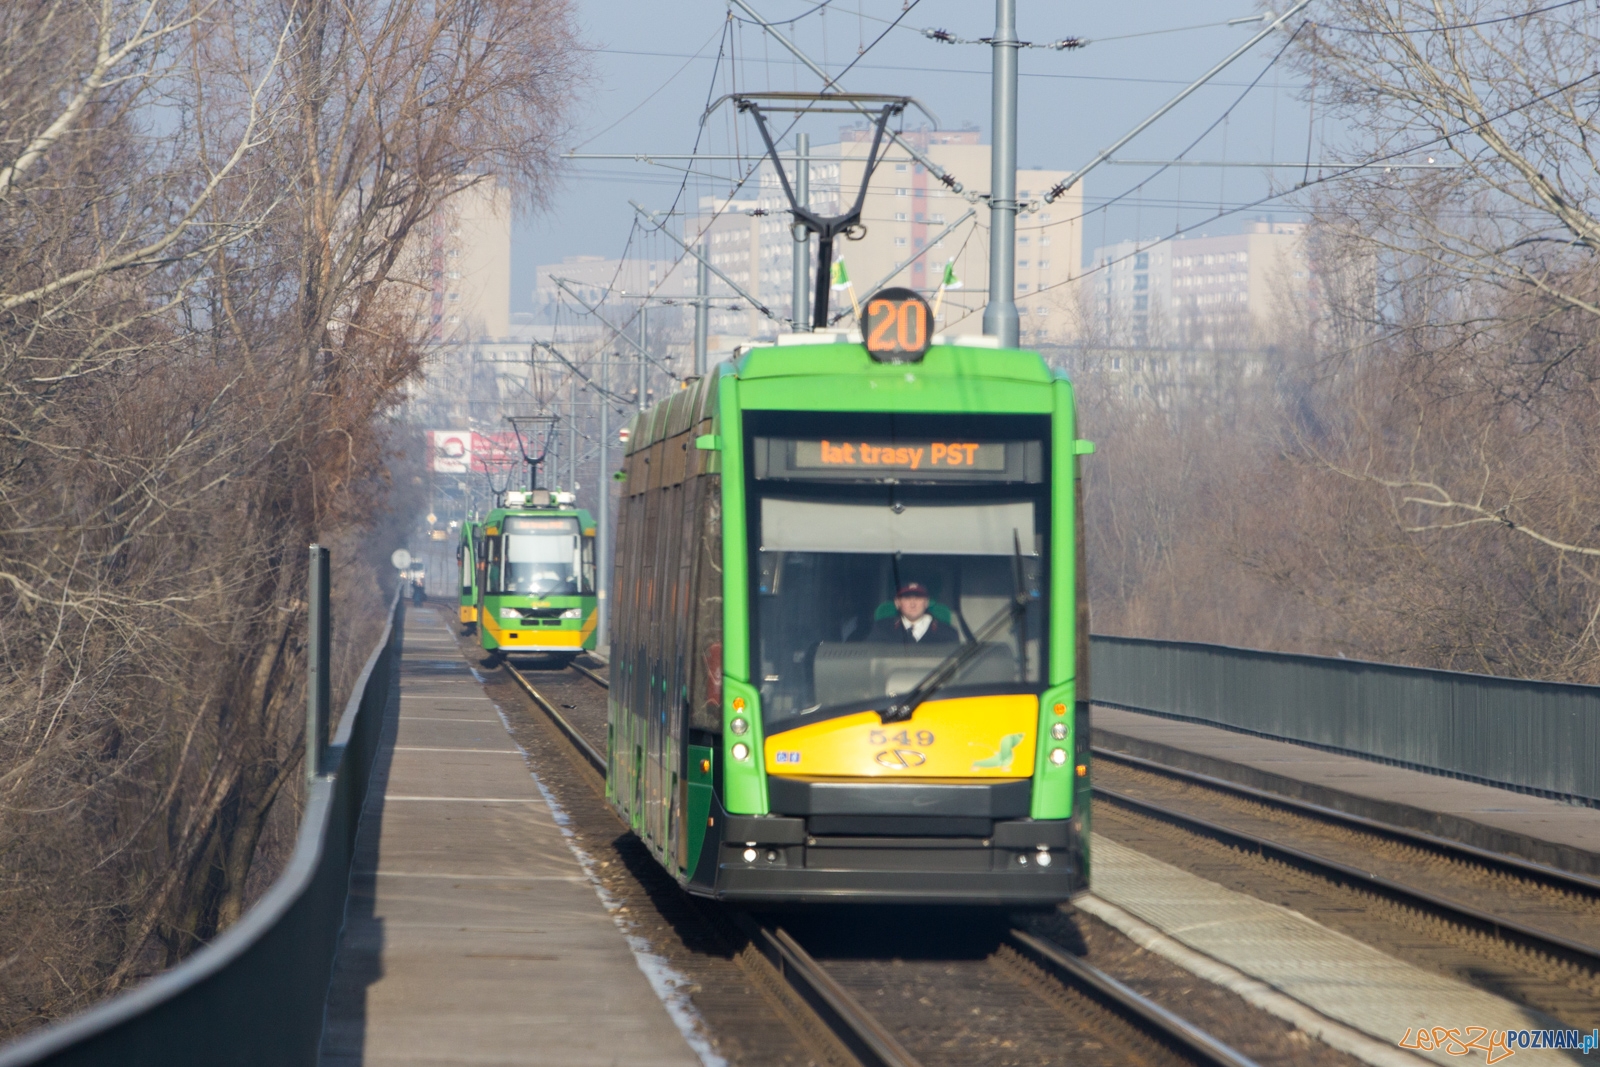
950, 280
841, 277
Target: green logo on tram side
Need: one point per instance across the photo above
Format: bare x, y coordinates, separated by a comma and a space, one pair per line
1000, 760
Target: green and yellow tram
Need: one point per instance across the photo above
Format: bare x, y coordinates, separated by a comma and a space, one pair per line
849, 648
537, 593
467, 570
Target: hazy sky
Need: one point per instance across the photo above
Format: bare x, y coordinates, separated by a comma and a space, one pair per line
654, 65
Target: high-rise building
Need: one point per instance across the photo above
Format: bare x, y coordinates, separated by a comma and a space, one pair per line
730, 233
467, 264
1231, 290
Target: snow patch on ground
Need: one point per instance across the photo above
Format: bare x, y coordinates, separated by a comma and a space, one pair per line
670, 985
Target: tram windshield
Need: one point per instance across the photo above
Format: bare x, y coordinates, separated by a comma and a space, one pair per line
866, 585
539, 557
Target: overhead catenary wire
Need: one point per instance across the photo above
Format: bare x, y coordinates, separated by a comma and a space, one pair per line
1127, 79
834, 80
1106, 153
1277, 195
738, 182
699, 54
1203, 133
831, 81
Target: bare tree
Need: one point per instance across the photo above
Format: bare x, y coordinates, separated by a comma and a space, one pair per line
1461, 393
205, 321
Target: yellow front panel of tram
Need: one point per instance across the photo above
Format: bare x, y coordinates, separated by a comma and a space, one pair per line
966, 737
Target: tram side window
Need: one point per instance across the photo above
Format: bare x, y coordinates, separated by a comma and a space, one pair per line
493, 545
588, 565
706, 700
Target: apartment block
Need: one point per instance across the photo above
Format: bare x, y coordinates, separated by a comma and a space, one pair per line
465, 264
1225, 291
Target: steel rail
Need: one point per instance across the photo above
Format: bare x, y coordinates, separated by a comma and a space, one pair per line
1457, 850
588, 751
1137, 1008
1507, 929
868, 1039
587, 673
863, 1035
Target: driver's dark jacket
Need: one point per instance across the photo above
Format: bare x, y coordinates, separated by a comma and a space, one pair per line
893, 630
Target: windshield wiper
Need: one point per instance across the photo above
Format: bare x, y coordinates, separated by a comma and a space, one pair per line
955, 662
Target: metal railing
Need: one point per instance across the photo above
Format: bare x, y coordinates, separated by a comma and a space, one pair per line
256, 994
1535, 737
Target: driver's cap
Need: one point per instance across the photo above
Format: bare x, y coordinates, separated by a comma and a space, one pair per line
912, 589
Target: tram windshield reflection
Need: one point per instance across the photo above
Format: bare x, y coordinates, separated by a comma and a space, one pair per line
539, 557
859, 600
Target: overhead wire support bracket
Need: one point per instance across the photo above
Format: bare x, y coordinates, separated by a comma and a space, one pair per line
1106, 153
826, 227
591, 309
589, 383
687, 247
945, 177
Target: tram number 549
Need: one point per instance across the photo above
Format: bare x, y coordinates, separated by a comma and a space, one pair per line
898, 326
922, 738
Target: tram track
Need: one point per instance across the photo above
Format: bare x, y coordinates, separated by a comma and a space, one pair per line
1518, 928
1122, 1025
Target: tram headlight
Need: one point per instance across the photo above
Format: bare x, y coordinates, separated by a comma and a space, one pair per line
741, 751
1058, 756
739, 726
510, 613
572, 613
1059, 731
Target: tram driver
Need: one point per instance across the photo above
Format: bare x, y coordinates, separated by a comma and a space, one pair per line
911, 624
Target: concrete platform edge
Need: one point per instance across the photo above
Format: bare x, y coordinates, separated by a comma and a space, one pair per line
1253, 991
1441, 824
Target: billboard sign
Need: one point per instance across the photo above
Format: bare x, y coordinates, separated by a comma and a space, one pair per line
450, 451
460, 451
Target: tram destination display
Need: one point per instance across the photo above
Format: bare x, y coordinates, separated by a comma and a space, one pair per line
836, 458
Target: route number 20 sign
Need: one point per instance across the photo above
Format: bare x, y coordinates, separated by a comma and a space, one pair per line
897, 325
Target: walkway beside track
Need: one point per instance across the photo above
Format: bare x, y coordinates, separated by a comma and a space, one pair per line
1547, 831
1344, 982
472, 933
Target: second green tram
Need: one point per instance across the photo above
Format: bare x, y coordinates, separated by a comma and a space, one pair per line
849, 647
536, 567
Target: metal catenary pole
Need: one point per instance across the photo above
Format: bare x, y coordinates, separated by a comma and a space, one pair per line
802, 245
702, 257
702, 312
644, 348
1000, 316
319, 646
602, 580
